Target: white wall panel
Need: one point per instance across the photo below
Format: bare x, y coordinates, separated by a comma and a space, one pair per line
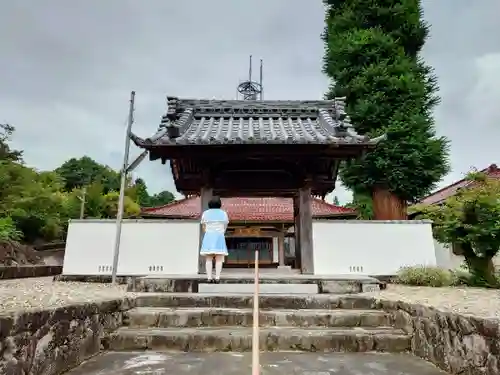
147, 247
371, 247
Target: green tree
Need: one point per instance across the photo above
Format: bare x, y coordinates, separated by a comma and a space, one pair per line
85, 171
6, 153
141, 192
371, 56
362, 203
470, 221
336, 201
98, 204
161, 198
33, 200
143, 198
110, 206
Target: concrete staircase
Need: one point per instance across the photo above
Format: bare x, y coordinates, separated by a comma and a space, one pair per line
215, 322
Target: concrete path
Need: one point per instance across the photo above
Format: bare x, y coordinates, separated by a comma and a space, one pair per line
278, 363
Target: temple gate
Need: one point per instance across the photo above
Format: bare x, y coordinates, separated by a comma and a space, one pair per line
258, 148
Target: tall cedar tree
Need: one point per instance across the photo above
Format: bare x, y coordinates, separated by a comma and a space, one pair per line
371, 56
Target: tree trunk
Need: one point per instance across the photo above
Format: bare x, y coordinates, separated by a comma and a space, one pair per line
387, 206
482, 269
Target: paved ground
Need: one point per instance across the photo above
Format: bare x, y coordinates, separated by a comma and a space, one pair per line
151, 363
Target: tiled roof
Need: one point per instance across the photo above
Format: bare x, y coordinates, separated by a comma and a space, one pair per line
248, 209
190, 122
439, 196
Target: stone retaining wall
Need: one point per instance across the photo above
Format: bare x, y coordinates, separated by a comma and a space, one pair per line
456, 343
99, 279
21, 272
53, 341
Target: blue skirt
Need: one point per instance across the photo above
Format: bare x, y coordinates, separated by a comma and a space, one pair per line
213, 243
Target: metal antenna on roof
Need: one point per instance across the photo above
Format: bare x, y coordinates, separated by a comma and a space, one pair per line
260, 80
250, 70
249, 89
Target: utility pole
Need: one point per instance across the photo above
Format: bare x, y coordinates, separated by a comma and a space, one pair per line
121, 199
82, 202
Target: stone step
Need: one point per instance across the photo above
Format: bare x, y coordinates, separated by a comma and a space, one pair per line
291, 288
239, 339
293, 302
144, 317
327, 284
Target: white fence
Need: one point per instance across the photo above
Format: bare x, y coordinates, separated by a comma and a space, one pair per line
151, 247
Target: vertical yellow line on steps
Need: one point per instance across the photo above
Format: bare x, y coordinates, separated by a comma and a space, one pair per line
255, 330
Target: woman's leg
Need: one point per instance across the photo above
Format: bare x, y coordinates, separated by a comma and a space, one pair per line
219, 259
208, 266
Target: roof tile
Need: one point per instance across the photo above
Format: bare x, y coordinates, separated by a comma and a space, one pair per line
442, 194
248, 209
198, 122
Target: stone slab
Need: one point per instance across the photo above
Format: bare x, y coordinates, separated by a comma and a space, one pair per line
150, 363
268, 276
274, 301
328, 284
210, 339
143, 317
263, 288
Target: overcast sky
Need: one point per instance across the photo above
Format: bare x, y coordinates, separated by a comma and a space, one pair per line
67, 69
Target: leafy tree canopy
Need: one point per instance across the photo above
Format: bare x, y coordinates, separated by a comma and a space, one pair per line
85, 171
470, 220
6, 153
146, 200
36, 205
371, 55
362, 203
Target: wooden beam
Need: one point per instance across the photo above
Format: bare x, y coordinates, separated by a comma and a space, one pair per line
245, 151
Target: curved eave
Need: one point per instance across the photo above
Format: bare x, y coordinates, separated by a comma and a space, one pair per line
150, 144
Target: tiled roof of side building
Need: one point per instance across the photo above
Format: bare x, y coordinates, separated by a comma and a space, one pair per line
198, 122
442, 194
248, 209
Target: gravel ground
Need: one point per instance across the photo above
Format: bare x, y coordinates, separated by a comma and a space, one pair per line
470, 301
38, 293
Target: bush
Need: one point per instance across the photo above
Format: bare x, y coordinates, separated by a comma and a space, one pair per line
8, 230
425, 276
462, 277
465, 278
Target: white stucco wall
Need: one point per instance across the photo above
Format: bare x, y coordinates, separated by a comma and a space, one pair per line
446, 259
371, 247
171, 247
147, 247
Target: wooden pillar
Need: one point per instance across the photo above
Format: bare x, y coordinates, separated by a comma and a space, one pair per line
281, 250
296, 231
206, 194
305, 231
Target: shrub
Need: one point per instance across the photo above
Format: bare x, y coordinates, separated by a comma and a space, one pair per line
465, 278
425, 276
8, 230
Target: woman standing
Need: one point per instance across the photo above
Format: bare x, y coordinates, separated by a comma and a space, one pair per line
214, 222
